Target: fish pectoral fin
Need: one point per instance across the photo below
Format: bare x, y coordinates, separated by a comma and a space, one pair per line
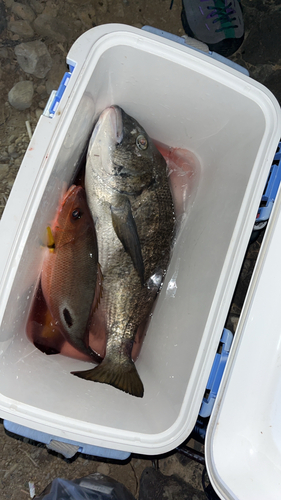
125, 228
123, 377
50, 240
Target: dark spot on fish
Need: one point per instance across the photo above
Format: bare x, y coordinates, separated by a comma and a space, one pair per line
130, 193
118, 172
153, 183
67, 317
76, 214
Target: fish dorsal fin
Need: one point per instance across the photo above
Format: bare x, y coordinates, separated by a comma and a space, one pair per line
126, 230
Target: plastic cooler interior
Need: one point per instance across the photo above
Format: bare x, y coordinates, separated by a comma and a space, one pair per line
184, 99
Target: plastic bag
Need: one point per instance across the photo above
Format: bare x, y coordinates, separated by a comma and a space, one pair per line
93, 487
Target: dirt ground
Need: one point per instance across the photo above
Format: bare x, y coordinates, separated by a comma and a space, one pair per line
22, 461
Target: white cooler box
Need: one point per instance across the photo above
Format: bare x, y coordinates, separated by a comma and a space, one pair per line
232, 124
243, 440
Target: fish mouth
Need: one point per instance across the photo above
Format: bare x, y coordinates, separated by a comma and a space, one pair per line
110, 125
115, 116
108, 133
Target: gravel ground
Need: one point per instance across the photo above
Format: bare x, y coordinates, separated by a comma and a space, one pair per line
58, 24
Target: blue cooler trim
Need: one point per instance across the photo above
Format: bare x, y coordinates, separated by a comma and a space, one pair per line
216, 374
59, 93
45, 438
270, 191
56, 95
179, 39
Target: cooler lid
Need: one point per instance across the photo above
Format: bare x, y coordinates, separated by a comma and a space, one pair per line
243, 441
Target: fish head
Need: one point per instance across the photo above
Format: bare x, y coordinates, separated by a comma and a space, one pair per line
122, 153
73, 217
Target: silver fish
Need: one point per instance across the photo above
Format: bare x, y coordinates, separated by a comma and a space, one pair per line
130, 200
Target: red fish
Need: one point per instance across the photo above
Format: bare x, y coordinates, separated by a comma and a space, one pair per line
70, 273
45, 335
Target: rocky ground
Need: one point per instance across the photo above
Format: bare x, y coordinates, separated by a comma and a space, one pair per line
24, 90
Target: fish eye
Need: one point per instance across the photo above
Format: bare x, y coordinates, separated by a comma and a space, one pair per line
76, 214
141, 142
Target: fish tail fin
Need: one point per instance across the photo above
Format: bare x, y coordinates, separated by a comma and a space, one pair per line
121, 376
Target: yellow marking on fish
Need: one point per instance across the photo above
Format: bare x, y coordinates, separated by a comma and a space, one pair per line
50, 240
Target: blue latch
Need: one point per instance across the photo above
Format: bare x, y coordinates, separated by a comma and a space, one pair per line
216, 374
200, 428
56, 95
270, 191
